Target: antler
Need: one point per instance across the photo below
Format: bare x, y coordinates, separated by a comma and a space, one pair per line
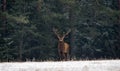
55, 31
61, 38
67, 33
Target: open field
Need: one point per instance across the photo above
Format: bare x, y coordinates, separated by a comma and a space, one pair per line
98, 65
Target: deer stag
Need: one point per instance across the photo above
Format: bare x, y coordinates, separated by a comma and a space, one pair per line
63, 47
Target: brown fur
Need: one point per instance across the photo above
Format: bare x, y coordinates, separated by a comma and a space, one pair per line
63, 50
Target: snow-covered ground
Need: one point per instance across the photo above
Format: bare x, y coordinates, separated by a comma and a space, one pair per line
98, 65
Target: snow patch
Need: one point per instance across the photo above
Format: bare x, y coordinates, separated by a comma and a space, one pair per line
102, 65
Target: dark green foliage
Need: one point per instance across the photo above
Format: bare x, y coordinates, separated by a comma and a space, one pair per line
27, 33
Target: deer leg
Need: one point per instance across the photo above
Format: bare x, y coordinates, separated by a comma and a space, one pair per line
66, 56
60, 55
63, 56
69, 57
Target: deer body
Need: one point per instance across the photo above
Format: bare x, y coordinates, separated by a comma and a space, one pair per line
63, 50
63, 47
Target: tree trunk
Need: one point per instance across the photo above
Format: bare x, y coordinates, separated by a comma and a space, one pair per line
118, 30
4, 22
21, 44
72, 37
119, 4
119, 9
4, 16
4, 5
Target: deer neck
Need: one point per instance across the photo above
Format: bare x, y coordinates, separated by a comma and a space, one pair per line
61, 43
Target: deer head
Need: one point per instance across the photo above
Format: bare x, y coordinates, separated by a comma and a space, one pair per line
62, 36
